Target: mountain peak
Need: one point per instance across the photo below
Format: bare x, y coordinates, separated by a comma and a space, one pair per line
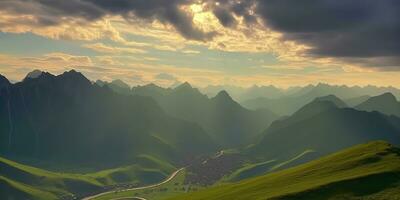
332, 98
223, 96
315, 107
184, 86
33, 74
4, 81
387, 97
74, 75
385, 103
38, 75
120, 83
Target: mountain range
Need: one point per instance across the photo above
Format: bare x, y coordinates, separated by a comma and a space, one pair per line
112, 134
67, 118
324, 127
294, 99
229, 124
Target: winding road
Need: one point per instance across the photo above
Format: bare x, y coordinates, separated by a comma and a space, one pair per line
138, 188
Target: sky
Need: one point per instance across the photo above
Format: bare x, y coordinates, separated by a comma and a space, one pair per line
205, 42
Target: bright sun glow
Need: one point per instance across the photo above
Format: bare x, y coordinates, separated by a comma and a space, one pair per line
196, 8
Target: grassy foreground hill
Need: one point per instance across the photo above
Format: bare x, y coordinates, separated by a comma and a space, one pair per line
19, 181
370, 171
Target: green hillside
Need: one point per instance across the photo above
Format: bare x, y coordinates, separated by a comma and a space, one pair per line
370, 171
316, 126
22, 181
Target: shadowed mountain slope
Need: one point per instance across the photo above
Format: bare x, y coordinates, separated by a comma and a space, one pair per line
324, 128
385, 103
225, 120
67, 118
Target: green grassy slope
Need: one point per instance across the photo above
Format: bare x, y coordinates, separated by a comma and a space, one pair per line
250, 170
22, 181
365, 171
172, 188
14, 190
317, 125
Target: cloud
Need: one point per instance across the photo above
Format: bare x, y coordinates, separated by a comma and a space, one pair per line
190, 52
225, 17
342, 29
45, 13
354, 32
48, 61
102, 48
137, 77
16, 67
165, 76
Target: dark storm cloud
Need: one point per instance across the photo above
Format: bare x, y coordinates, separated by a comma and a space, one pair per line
353, 28
52, 12
225, 17
225, 10
348, 28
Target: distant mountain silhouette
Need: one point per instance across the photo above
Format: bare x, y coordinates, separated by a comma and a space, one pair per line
33, 74
262, 91
294, 99
332, 98
150, 90
324, 128
68, 118
385, 103
355, 101
229, 123
116, 85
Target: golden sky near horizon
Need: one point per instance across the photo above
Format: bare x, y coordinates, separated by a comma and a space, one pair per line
227, 42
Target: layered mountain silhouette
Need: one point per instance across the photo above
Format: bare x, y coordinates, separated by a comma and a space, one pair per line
116, 85
385, 103
294, 99
229, 124
225, 120
323, 127
33, 74
68, 118
355, 101
333, 99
